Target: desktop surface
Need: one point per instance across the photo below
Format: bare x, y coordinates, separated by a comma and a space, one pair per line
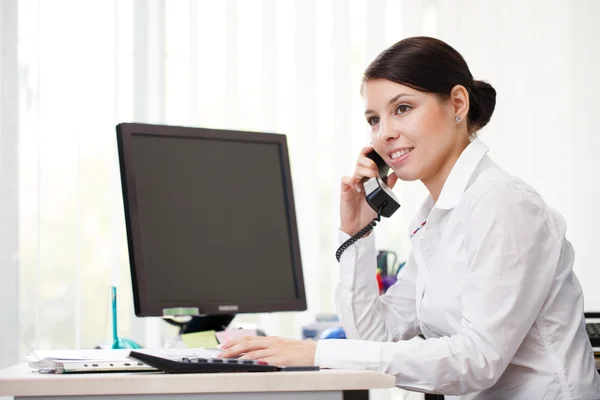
19, 380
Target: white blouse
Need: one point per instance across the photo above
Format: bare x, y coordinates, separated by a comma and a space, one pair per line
490, 284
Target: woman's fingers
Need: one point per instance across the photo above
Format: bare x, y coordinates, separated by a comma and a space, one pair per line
363, 172
348, 184
366, 150
233, 342
367, 163
259, 354
248, 344
356, 180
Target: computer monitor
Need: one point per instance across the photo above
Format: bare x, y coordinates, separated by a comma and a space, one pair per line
210, 219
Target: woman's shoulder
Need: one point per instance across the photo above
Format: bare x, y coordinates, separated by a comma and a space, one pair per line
494, 188
495, 191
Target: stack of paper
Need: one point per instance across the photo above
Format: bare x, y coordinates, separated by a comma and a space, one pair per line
65, 361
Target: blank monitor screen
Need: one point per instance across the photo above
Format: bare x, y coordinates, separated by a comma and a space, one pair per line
210, 220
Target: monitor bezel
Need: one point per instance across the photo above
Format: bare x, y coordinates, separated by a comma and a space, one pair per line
143, 305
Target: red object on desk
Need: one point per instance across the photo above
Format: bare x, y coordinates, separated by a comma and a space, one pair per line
380, 283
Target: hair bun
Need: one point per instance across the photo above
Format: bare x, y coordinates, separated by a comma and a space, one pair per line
483, 103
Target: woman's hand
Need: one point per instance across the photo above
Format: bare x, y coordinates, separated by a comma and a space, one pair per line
355, 212
271, 349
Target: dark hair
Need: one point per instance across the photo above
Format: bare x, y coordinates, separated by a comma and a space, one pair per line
431, 65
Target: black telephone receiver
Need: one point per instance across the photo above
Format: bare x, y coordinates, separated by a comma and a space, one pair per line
379, 196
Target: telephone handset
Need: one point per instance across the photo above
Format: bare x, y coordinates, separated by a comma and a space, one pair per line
379, 196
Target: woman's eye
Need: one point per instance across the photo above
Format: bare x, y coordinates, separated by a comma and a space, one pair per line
373, 121
402, 108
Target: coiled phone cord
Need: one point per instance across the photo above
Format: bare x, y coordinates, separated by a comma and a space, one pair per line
358, 234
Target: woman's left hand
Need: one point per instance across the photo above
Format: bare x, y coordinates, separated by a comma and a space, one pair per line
271, 349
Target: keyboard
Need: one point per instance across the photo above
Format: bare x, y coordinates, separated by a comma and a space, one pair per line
593, 331
198, 365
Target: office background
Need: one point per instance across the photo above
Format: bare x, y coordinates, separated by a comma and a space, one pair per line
72, 69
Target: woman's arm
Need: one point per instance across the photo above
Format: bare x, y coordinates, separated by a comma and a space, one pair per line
363, 312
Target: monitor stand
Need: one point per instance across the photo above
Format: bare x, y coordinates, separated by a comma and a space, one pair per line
217, 322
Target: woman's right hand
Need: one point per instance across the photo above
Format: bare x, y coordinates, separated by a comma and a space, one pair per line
355, 212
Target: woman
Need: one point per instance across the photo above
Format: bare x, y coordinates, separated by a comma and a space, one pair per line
489, 281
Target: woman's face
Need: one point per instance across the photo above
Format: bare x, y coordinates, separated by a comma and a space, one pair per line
414, 132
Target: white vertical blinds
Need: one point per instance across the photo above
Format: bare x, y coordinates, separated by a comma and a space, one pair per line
9, 190
291, 67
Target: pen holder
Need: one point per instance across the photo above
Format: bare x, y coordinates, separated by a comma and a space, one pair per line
386, 262
387, 273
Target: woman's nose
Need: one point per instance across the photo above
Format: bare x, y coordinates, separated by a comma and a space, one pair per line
388, 132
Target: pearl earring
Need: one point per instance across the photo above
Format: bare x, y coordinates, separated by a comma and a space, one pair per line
457, 118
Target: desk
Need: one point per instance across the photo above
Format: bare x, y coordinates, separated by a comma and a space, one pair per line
19, 381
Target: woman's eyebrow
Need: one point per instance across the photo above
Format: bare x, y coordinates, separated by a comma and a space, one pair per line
392, 100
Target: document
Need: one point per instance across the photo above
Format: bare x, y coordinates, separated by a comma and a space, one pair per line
64, 361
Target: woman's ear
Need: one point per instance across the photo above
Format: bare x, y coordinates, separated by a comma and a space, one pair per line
459, 99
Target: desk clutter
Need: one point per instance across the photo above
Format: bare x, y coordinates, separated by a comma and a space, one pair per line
110, 360
200, 348
211, 339
387, 269
592, 328
593, 331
